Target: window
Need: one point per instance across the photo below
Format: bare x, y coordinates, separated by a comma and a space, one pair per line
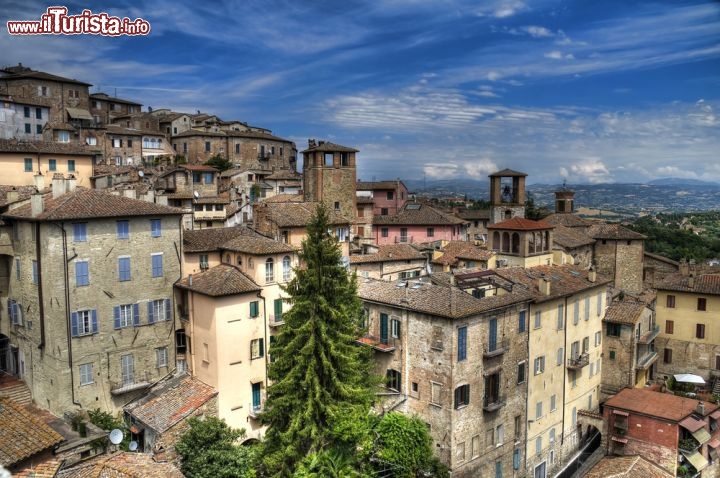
560, 316
161, 357
80, 232
552, 436
257, 347
15, 312
86, 374
701, 303
287, 269
430, 232
553, 404
43, 91
573, 378
278, 309
208, 178
700, 331
38, 129
254, 309
18, 273
28, 128
127, 367
26, 111
123, 269
395, 328
82, 275
667, 356
159, 310
34, 272
499, 435
384, 232
71, 165
538, 410
52, 164
613, 330
521, 321
336, 205
269, 270
521, 372
83, 322
435, 392
64, 137
586, 345
538, 319
462, 344
612, 355
155, 227
207, 146
127, 315
539, 365
117, 143
516, 459
28, 165
517, 427
393, 380
669, 326
383, 211
598, 338
462, 396
90, 140
475, 447
123, 229
560, 355
670, 301
157, 264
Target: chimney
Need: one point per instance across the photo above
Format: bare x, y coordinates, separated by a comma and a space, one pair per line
691, 281
12, 195
190, 280
58, 185
684, 268
39, 181
701, 408
544, 285
36, 204
453, 280
311, 143
70, 183
129, 193
592, 274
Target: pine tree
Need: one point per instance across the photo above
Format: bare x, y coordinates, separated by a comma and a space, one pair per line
319, 375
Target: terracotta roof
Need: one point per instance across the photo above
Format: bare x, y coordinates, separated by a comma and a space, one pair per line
170, 401
329, 147
20, 73
198, 167
567, 220
219, 281
49, 147
284, 174
23, 192
455, 250
570, 237
707, 283
507, 173
418, 214
437, 300
472, 214
660, 258
118, 129
44, 469
284, 198
232, 134
565, 279
625, 312
206, 240
377, 185
258, 245
626, 467
106, 97
364, 200
656, 404
387, 253
22, 434
521, 224
298, 214
121, 465
613, 232
91, 204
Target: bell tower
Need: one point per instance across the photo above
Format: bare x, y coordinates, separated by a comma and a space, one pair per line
507, 195
330, 176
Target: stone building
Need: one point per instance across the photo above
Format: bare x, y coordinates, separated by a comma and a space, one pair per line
619, 252
656, 267
105, 109
88, 292
390, 262
461, 255
452, 359
507, 195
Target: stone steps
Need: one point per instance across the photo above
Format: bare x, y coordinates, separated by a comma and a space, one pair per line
17, 391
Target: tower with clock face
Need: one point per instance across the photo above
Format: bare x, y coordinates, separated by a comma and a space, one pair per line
507, 195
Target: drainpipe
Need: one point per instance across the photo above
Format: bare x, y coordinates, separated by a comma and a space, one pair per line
41, 304
565, 372
265, 336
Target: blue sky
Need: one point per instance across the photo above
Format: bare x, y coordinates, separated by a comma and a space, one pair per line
590, 92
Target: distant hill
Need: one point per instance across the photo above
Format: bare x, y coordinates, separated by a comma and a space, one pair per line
682, 182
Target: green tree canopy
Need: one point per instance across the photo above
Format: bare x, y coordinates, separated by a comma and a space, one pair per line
219, 162
319, 374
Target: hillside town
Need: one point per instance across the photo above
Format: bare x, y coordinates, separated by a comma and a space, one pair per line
143, 259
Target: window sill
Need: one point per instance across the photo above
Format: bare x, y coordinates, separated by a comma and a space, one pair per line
460, 407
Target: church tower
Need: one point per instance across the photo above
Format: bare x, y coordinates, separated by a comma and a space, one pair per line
507, 195
330, 176
564, 201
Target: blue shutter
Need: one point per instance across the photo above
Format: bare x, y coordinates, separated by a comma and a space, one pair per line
116, 316
383, 328
136, 314
93, 314
10, 310
74, 324
151, 319
168, 314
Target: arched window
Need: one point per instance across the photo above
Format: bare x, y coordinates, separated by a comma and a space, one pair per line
516, 243
506, 242
269, 270
286, 268
496, 241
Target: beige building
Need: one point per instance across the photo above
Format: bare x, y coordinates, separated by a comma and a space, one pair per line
88, 280
521, 242
390, 262
20, 162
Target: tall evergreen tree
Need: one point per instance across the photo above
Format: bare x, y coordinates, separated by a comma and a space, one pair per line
319, 375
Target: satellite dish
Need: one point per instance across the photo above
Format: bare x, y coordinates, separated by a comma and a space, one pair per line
141, 174
116, 436
133, 445
196, 194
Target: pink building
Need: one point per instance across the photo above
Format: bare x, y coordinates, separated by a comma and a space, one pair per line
388, 197
417, 223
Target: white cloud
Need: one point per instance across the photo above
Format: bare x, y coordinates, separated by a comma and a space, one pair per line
591, 170
480, 169
537, 31
676, 172
440, 171
558, 55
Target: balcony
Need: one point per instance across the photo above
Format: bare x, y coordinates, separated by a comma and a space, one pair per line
209, 215
576, 363
119, 388
493, 403
650, 335
403, 239
378, 343
646, 360
495, 349
275, 320
255, 409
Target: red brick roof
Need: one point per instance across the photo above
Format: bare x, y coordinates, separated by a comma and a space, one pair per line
626, 312
22, 434
327, 146
455, 250
122, 465
218, 281
564, 280
49, 147
387, 253
626, 467
521, 224
656, 404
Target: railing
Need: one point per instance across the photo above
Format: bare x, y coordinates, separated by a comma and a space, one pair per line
403, 239
276, 320
255, 409
498, 348
646, 360
492, 403
648, 336
575, 363
378, 343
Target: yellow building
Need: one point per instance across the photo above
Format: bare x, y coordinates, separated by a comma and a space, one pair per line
21, 161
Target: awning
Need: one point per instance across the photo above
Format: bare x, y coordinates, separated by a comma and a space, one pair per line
620, 412
78, 113
691, 424
696, 460
702, 436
